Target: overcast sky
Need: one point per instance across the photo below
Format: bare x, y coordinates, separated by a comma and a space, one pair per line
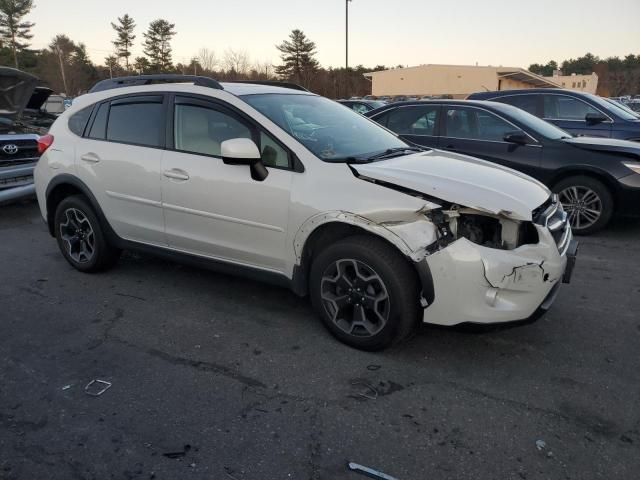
390, 32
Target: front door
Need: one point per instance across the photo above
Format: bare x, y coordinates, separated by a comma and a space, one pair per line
570, 113
218, 210
480, 133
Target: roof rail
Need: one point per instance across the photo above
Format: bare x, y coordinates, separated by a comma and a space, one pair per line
271, 83
137, 80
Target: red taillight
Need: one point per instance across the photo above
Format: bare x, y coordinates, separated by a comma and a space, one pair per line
44, 142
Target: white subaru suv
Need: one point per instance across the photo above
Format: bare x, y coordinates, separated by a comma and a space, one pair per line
275, 182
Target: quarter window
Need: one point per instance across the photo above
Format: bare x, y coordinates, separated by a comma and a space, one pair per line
99, 128
136, 121
528, 103
561, 107
78, 121
202, 130
273, 155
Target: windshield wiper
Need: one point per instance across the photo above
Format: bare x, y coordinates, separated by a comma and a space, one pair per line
389, 152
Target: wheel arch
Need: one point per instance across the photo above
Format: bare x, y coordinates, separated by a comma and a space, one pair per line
586, 171
66, 185
324, 229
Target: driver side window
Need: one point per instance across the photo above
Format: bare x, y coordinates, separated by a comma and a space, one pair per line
202, 130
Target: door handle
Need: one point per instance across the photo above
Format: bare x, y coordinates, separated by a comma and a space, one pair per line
90, 157
176, 174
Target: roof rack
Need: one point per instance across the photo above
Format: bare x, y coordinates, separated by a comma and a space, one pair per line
271, 83
137, 80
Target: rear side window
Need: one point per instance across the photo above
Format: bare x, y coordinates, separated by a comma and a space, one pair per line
78, 121
528, 103
139, 121
413, 120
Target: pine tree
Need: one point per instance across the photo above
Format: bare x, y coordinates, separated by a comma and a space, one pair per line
298, 62
12, 28
125, 37
141, 65
157, 46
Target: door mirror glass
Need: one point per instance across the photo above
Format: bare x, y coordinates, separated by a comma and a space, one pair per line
595, 118
244, 151
517, 137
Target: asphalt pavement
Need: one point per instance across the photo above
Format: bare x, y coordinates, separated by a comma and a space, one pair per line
217, 377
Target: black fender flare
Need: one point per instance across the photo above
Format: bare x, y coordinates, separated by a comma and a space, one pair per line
68, 179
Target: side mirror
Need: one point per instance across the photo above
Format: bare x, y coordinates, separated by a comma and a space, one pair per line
243, 151
517, 137
594, 118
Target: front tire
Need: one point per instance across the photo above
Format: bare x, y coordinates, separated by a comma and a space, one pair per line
587, 201
81, 238
365, 291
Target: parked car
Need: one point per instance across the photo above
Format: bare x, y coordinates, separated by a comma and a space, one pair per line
291, 187
623, 105
578, 113
21, 124
55, 104
362, 106
635, 106
594, 177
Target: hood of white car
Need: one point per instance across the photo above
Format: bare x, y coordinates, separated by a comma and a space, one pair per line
462, 180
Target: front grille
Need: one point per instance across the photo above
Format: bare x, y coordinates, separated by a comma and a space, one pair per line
551, 215
27, 152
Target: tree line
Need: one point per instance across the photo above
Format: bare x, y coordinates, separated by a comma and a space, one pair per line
616, 76
64, 65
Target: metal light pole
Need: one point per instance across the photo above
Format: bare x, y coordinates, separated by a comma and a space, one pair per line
346, 56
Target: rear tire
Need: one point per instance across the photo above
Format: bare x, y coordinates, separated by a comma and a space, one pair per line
81, 238
365, 291
587, 201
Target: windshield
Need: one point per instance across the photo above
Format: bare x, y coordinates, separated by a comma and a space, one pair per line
612, 107
622, 106
333, 133
535, 124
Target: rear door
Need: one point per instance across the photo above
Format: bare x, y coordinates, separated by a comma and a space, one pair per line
569, 114
415, 123
480, 133
119, 158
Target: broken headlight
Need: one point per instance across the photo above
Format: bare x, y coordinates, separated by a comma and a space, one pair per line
484, 229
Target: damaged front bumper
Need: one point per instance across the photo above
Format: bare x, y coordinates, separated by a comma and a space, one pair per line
482, 285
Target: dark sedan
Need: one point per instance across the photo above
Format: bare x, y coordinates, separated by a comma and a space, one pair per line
594, 177
578, 113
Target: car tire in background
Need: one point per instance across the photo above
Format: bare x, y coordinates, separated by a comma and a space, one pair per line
365, 291
80, 236
587, 201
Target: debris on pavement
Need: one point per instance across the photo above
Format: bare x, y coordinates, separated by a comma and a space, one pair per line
97, 387
374, 367
372, 393
541, 445
66, 387
178, 453
370, 472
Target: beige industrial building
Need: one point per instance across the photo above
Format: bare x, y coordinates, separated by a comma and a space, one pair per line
580, 83
456, 80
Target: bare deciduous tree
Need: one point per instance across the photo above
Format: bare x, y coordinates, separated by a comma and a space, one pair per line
236, 61
207, 59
